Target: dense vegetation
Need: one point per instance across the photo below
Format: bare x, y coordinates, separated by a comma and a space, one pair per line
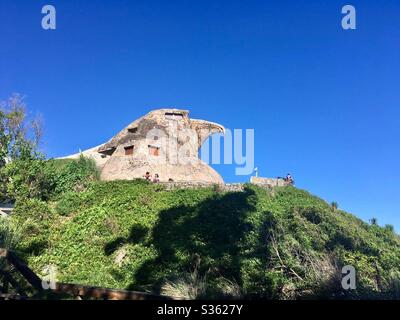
281, 243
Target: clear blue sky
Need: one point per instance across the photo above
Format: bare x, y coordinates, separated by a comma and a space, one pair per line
324, 102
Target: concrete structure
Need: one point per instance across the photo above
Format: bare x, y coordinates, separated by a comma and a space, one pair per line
268, 182
6, 209
164, 141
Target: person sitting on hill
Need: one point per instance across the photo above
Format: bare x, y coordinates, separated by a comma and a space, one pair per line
147, 176
156, 178
289, 179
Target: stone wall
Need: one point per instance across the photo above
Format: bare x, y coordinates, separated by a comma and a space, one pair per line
232, 187
268, 181
227, 187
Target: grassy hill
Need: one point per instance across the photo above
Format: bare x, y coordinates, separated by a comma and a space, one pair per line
282, 244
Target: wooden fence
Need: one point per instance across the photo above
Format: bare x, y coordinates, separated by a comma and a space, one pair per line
13, 265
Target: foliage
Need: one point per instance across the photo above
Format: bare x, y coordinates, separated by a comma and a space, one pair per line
75, 175
189, 286
279, 244
45, 179
10, 234
24, 174
19, 135
19, 141
389, 228
27, 179
34, 218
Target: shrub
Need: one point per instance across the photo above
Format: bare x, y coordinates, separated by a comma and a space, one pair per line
76, 175
10, 235
229, 289
34, 219
189, 286
389, 227
288, 245
68, 203
28, 179
394, 284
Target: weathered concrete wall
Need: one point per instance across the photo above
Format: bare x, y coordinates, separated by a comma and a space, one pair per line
228, 187
171, 137
177, 139
99, 158
6, 209
268, 181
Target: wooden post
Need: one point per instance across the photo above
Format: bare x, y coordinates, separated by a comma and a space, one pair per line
28, 274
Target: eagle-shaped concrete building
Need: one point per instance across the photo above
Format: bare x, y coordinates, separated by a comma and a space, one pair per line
164, 142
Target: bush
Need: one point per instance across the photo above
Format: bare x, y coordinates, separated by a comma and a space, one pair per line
34, 218
189, 286
10, 235
68, 203
28, 179
76, 175
285, 244
389, 228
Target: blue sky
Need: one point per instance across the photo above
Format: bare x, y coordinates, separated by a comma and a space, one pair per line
324, 102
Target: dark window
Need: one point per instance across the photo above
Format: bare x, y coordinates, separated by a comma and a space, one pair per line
173, 116
129, 151
108, 152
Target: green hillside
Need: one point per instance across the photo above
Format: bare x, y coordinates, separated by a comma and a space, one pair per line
283, 243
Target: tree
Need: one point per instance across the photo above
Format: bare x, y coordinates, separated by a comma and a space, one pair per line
334, 205
21, 164
19, 135
374, 221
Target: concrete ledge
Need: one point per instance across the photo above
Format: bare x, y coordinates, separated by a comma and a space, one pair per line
268, 181
227, 187
6, 209
171, 185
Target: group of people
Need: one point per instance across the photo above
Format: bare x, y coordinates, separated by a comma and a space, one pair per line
148, 177
288, 179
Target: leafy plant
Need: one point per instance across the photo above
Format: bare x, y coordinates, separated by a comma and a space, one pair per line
189, 286
389, 227
76, 175
20, 174
10, 235
278, 244
19, 135
29, 178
